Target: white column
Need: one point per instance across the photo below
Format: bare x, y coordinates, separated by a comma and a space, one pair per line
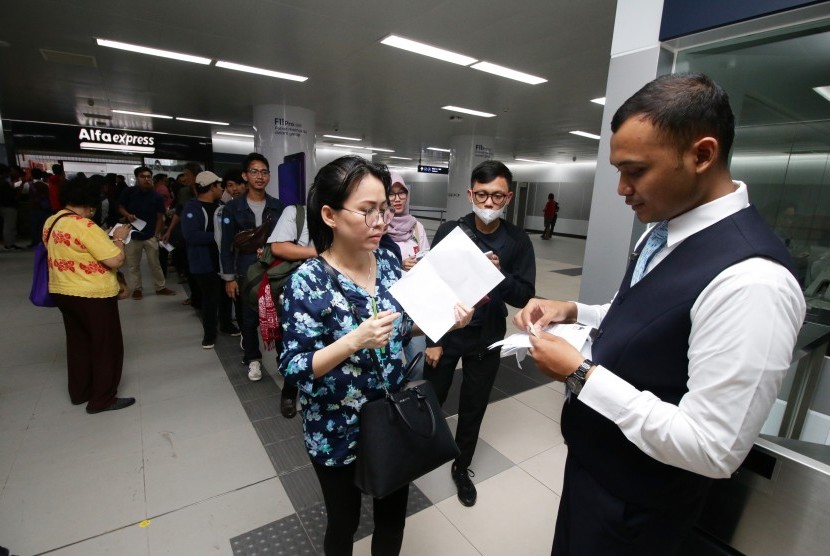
635, 60
281, 130
466, 152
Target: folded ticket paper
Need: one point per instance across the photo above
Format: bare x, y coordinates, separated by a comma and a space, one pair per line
578, 335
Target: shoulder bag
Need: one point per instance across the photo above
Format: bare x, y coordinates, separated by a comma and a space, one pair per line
250, 241
39, 294
271, 269
403, 435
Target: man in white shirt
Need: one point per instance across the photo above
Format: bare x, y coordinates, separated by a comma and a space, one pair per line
691, 352
288, 245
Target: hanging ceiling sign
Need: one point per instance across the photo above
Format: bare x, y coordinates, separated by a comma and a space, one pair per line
433, 169
97, 139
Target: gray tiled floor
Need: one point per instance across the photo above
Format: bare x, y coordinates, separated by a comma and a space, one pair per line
204, 457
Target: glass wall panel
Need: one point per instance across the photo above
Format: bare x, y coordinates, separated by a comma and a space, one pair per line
782, 153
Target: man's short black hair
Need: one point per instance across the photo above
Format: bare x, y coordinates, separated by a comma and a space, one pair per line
160, 177
141, 169
254, 157
489, 170
193, 167
57, 169
683, 107
233, 175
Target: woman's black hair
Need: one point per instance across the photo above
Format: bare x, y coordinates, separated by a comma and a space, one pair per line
332, 186
81, 192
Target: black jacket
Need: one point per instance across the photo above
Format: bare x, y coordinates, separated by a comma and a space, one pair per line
518, 265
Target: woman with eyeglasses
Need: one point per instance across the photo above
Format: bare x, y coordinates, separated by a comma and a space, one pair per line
326, 352
411, 238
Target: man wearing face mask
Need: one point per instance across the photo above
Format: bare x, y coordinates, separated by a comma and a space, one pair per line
510, 250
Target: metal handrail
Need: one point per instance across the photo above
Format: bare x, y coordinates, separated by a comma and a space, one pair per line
421, 209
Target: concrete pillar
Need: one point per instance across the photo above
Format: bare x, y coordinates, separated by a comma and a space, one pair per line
280, 131
466, 152
636, 59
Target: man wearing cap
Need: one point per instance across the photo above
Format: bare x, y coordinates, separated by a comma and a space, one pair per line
143, 203
197, 222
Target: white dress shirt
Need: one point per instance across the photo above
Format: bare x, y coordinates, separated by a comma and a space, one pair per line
744, 328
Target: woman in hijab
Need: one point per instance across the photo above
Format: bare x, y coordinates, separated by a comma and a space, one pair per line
411, 238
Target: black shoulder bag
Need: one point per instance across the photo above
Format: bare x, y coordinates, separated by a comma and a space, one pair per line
403, 435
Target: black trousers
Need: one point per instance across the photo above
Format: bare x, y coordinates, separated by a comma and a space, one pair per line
216, 305
479, 368
342, 501
593, 521
248, 320
94, 348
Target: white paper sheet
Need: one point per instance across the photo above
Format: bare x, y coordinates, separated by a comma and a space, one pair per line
138, 224
166, 245
129, 236
453, 271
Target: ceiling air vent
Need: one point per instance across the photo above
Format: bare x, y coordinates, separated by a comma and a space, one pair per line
69, 58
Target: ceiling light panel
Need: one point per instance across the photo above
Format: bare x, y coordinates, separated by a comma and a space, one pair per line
438, 149
509, 73
585, 134
260, 71
153, 51
342, 138
468, 111
116, 148
145, 114
823, 91
534, 161
234, 134
400, 157
428, 50
600, 100
201, 121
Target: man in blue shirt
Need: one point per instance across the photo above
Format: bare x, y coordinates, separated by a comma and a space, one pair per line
143, 203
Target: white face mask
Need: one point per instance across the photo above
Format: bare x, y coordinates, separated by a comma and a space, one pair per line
487, 215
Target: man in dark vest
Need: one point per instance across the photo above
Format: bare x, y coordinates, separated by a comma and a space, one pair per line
689, 355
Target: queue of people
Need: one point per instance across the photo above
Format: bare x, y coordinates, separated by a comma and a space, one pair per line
679, 378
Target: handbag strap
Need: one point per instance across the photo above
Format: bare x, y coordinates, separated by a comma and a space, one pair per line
55, 221
336, 283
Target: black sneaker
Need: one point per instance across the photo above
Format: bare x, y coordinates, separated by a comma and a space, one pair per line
208, 344
466, 489
231, 331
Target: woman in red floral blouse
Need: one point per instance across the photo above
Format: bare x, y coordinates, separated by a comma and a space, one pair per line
82, 279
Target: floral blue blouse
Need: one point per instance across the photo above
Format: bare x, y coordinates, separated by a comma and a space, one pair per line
315, 314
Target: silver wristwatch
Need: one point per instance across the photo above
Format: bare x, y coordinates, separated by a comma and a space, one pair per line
576, 380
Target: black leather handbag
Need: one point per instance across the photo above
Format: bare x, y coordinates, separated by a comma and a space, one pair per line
403, 435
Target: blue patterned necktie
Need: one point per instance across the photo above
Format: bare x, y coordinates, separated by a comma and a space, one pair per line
656, 241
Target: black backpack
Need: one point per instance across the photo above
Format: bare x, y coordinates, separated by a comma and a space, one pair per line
278, 274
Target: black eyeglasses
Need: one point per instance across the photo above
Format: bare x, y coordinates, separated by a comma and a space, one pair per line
481, 197
399, 195
373, 215
255, 172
